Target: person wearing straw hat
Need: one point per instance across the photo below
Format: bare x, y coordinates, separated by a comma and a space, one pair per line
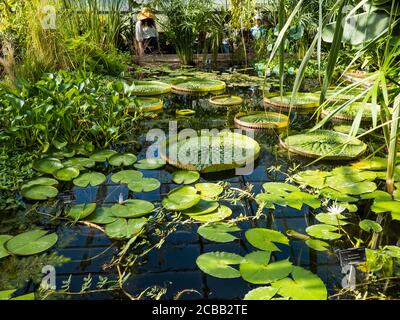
146, 33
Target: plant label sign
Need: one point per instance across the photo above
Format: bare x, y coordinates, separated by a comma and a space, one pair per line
352, 256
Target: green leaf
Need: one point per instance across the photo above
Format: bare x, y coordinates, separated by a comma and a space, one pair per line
125, 159
90, 179
66, 174
31, 242
202, 207
132, 209
209, 191
255, 268
150, 164
313, 178
298, 198
39, 192
354, 188
218, 232
377, 195
144, 185
263, 238
220, 214
185, 177
42, 181
102, 156
125, 229
317, 245
332, 194
102, 215
374, 163
304, 286
269, 200
323, 231
181, 198
261, 293
332, 219
79, 163
3, 252
81, 211
279, 188
7, 294
370, 226
47, 165
217, 264
126, 176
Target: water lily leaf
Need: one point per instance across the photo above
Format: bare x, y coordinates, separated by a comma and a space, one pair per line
132, 209
47, 165
377, 195
332, 219
90, 179
181, 198
80, 163
102, 156
350, 207
313, 178
7, 294
393, 251
317, 245
202, 207
323, 231
279, 188
125, 159
126, 176
144, 185
31, 242
125, 229
387, 206
255, 268
304, 286
81, 211
185, 177
370, 226
356, 188
217, 264
263, 238
102, 215
209, 191
268, 200
221, 213
218, 232
374, 163
150, 164
261, 293
39, 192
42, 181
25, 297
66, 174
3, 239
332, 194
296, 200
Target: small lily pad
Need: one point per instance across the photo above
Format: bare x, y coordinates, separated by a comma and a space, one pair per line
261, 293
39, 192
125, 159
132, 209
263, 238
332, 219
47, 165
3, 251
218, 264
102, 216
279, 188
150, 164
125, 229
144, 185
370, 226
42, 181
102, 156
209, 191
181, 198
220, 214
185, 177
218, 232
90, 179
323, 231
126, 176
202, 207
81, 211
31, 242
317, 245
66, 174
80, 163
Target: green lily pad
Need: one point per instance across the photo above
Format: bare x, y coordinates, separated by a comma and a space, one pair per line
102, 156
80, 163
125, 229
66, 174
374, 163
261, 293
102, 215
279, 188
387, 206
132, 209
370, 226
263, 238
218, 232
202, 207
47, 165
42, 181
332, 194
304, 286
331, 219
125, 159
354, 188
185, 177
317, 245
313, 178
209, 191
181, 198
3, 251
220, 214
7, 294
39, 192
269, 200
126, 176
81, 211
297, 199
218, 264
323, 231
150, 164
90, 179
31, 242
377, 195
255, 268
144, 185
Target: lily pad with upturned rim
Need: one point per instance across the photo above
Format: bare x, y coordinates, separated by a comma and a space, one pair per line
262, 120
31, 242
185, 112
226, 100
150, 88
195, 85
304, 101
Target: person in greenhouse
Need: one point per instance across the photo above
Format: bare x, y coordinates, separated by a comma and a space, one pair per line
258, 30
146, 32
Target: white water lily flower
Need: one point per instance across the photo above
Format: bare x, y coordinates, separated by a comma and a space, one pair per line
335, 209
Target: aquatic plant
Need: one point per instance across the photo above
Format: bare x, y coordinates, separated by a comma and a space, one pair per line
262, 120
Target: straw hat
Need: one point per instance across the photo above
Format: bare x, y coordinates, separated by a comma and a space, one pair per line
146, 13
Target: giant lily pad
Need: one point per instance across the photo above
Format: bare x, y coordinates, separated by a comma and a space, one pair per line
209, 191
150, 88
125, 159
36, 192
79, 163
31, 242
323, 231
181, 199
125, 229
81, 211
3, 251
102, 156
47, 165
328, 144
220, 214
218, 264
263, 238
255, 268
150, 164
350, 112
90, 179
198, 85
226, 100
132, 209
262, 120
185, 177
144, 185
42, 181
66, 174
218, 232
304, 101
304, 286
126, 176
261, 293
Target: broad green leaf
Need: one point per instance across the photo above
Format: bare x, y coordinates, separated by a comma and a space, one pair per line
323, 231
102, 216
261, 293
126, 176
313, 178
218, 232
268, 200
42, 181
3, 252
202, 207
332, 219
318, 245
356, 188
296, 200
7, 294
31, 242
263, 238
370, 226
81, 211
209, 191
144, 185
279, 188
181, 198
185, 177
39, 192
25, 297
80, 163
374, 163
125, 229
393, 251
332, 194
132, 209
377, 195
150, 164
102, 156
218, 264
255, 268
47, 165
66, 174
90, 179
125, 159
220, 214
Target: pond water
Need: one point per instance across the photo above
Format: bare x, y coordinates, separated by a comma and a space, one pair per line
173, 266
